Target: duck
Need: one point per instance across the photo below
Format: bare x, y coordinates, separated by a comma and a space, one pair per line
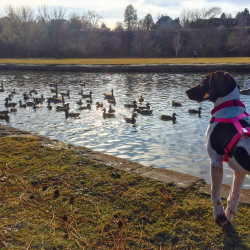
8, 104
131, 105
26, 96
109, 96
30, 103
1, 88
5, 116
130, 120
245, 91
141, 99
89, 100
22, 105
52, 84
63, 108
145, 111
107, 115
195, 111
84, 108
169, 117
82, 84
87, 96
176, 104
145, 107
35, 106
49, 106
81, 92
112, 101
14, 108
33, 91
65, 94
111, 110
99, 104
79, 102
67, 114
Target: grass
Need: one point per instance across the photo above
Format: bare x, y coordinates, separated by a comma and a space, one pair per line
53, 199
115, 61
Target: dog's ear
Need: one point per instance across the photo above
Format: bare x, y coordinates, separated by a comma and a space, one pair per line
211, 93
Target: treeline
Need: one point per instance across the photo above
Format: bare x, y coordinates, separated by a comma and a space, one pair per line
47, 33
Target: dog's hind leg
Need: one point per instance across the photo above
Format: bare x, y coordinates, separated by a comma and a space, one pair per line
234, 196
217, 175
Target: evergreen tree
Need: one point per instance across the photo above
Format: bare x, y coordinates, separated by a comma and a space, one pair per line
130, 17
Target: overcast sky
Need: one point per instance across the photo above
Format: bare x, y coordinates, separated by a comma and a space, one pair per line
113, 10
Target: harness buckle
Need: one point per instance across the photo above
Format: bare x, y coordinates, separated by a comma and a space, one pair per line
244, 130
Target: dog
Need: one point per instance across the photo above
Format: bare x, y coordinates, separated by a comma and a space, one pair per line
226, 138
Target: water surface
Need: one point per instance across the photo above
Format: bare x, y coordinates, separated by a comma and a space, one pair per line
152, 142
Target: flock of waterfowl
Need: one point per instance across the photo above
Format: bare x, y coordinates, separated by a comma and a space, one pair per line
30, 99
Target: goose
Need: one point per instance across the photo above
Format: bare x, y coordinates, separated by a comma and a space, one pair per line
131, 105
22, 105
84, 108
145, 111
145, 107
40, 100
87, 96
13, 109
54, 90
82, 84
169, 117
109, 96
54, 99
13, 92
111, 110
67, 114
9, 98
245, 91
107, 115
49, 106
8, 104
176, 104
56, 95
63, 108
33, 91
195, 111
1, 89
141, 99
35, 106
65, 94
130, 120
79, 102
99, 104
4, 112
5, 116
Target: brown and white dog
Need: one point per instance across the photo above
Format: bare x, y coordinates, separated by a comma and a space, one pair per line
220, 87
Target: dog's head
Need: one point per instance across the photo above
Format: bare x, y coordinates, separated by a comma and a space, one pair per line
214, 85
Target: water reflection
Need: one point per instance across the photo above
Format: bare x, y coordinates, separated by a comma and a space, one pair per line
177, 145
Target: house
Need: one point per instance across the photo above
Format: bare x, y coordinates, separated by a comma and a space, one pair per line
166, 22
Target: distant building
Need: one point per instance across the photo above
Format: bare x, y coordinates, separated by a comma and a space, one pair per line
166, 21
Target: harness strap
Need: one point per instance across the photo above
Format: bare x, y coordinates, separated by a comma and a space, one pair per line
228, 104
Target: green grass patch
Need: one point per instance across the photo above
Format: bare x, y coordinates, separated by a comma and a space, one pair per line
122, 61
53, 199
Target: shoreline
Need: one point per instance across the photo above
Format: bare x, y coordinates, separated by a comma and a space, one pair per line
169, 177
130, 68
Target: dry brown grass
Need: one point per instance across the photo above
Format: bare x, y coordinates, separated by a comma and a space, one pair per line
115, 61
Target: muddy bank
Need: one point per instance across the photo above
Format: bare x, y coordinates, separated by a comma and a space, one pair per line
150, 68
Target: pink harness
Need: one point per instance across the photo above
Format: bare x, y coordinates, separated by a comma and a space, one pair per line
241, 131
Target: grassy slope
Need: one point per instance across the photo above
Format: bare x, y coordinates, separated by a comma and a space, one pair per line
233, 60
53, 199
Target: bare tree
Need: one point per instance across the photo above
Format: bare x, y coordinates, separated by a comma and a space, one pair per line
55, 29
94, 43
239, 40
177, 42
19, 26
75, 21
91, 19
143, 45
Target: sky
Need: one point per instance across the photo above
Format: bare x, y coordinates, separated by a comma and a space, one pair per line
113, 10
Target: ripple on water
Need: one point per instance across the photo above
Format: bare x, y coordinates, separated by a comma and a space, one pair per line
150, 141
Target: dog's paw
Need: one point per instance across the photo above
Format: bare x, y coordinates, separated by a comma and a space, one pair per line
221, 220
229, 214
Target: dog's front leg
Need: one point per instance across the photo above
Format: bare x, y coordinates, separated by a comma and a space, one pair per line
217, 175
234, 196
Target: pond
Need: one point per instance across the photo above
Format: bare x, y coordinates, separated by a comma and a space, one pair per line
150, 141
